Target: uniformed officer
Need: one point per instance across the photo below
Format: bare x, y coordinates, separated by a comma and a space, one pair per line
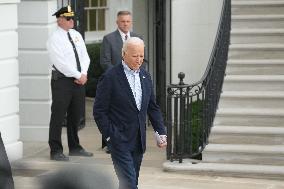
70, 62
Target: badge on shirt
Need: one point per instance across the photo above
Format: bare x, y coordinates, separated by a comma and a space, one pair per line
76, 39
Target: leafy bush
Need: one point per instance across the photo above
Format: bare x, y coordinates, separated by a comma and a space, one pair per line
95, 70
193, 132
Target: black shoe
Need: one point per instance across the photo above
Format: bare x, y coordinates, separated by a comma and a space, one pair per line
59, 157
106, 149
81, 152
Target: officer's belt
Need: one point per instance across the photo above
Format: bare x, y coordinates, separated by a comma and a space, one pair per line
55, 74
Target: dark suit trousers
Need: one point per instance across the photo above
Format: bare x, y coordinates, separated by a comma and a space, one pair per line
127, 165
67, 97
6, 179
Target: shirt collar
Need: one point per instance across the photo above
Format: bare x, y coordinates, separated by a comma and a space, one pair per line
62, 30
123, 34
128, 70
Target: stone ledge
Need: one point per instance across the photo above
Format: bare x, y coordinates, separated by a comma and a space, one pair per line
219, 169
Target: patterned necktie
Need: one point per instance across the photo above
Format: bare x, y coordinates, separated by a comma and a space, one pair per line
126, 37
75, 51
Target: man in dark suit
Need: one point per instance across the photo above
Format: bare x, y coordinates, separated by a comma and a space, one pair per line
124, 96
112, 44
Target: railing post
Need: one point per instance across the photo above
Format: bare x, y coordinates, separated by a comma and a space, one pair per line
176, 114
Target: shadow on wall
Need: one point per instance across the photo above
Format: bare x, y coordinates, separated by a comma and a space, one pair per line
77, 177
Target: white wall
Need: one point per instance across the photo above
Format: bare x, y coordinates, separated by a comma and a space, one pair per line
194, 26
9, 91
36, 23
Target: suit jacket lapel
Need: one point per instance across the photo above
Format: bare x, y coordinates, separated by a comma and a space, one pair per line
143, 87
125, 84
119, 40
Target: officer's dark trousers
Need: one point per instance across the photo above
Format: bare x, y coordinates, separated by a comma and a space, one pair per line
127, 165
6, 179
67, 97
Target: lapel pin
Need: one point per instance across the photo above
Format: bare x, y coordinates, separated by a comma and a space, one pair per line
143, 77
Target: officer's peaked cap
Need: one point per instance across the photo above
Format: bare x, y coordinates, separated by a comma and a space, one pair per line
64, 11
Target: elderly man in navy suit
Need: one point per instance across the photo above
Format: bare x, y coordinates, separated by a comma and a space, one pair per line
124, 96
112, 44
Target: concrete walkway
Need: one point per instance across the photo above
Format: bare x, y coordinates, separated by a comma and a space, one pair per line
36, 164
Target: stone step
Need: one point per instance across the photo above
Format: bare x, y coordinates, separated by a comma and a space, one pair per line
244, 154
252, 99
256, 51
222, 169
257, 7
255, 67
258, 21
268, 117
246, 36
221, 134
253, 83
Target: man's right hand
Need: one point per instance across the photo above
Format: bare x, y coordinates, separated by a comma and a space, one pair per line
82, 80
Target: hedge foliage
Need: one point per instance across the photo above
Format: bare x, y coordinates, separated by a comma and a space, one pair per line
95, 70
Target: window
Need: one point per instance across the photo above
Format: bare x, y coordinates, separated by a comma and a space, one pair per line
95, 11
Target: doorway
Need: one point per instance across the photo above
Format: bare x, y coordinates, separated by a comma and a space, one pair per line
161, 36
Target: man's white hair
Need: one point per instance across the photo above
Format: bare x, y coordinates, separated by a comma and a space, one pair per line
132, 41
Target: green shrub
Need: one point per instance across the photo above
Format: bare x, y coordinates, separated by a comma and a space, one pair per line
192, 132
95, 70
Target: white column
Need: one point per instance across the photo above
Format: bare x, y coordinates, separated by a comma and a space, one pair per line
9, 91
35, 25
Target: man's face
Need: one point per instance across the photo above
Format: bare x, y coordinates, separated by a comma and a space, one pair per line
134, 56
66, 22
124, 23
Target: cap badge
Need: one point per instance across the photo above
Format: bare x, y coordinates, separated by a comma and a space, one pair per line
69, 8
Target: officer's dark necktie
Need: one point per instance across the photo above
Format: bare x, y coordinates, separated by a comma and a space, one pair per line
75, 51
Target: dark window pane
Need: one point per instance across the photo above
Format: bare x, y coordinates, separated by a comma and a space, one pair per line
87, 3
101, 20
92, 20
94, 3
103, 3
86, 20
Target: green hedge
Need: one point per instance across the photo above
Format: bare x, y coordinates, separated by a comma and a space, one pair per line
193, 128
95, 70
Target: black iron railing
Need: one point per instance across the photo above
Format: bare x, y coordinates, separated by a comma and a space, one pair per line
191, 108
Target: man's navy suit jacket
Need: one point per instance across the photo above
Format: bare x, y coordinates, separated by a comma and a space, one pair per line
116, 113
110, 54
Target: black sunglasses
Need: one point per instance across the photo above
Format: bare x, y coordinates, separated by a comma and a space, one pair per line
69, 18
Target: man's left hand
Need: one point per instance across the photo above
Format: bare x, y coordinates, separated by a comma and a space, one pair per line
163, 142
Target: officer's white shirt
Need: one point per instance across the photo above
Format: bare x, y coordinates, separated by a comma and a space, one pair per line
62, 55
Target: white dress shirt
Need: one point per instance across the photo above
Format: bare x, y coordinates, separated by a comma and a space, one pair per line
62, 55
123, 35
135, 84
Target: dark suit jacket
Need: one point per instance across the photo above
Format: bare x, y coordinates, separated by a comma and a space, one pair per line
111, 49
115, 110
6, 179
